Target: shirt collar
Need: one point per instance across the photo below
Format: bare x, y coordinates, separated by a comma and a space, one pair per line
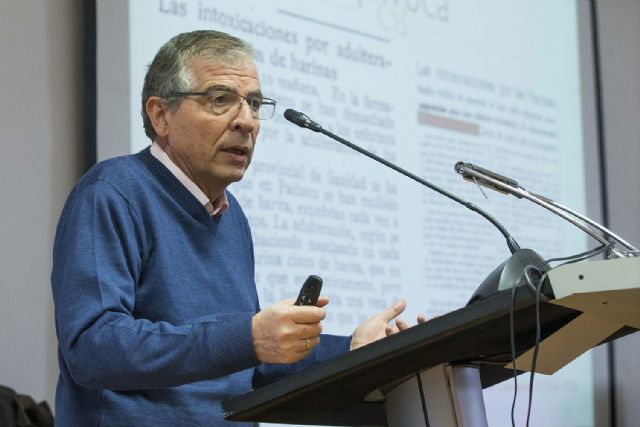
213, 208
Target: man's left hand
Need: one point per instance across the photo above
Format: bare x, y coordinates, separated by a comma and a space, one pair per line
378, 327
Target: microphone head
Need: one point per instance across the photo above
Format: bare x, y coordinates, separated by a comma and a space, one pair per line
293, 116
459, 167
301, 120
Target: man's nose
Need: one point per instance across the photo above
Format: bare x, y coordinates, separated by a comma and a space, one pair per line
246, 120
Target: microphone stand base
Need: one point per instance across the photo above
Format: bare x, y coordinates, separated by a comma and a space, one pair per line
512, 273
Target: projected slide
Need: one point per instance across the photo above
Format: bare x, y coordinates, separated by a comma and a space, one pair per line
424, 84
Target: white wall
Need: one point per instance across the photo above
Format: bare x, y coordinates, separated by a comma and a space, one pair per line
42, 145
40, 157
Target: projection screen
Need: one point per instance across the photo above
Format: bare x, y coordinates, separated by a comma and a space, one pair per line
422, 83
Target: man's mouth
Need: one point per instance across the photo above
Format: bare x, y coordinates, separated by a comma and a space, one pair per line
238, 151
237, 155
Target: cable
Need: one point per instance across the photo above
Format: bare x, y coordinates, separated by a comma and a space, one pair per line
536, 348
538, 287
528, 278
581, 256
424, 405
572, 258
514, 291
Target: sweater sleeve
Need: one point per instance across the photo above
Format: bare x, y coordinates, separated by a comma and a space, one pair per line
330, 346
98, 255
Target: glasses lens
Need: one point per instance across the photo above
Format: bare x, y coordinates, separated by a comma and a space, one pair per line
267, 108
229, 103
225, 102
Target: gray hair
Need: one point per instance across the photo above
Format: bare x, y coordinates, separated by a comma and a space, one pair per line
170, 70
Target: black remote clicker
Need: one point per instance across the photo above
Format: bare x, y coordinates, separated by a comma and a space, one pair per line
310, 291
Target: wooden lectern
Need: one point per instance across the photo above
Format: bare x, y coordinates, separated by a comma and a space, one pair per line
440, 367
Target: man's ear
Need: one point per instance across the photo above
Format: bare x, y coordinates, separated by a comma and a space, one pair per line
157, 111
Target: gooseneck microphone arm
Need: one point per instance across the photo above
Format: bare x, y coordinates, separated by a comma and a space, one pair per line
589, 221
304, 121
506, 185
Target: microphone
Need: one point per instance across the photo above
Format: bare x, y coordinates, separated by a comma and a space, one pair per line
508, 274
304, 121
502, 184
301, 120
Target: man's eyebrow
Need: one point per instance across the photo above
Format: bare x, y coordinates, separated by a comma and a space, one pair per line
253, 94
214, 88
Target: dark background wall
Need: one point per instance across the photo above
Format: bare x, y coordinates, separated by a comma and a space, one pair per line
619, 27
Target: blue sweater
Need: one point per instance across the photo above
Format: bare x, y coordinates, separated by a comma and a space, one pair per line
153, 302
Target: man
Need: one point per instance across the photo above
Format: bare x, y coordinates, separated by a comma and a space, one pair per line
156, 307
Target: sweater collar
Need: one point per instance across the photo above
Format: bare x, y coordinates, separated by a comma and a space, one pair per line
213, 208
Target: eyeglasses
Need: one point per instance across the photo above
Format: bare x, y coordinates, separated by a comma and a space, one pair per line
226, 102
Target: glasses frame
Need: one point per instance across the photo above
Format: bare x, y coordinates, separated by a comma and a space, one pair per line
255, 114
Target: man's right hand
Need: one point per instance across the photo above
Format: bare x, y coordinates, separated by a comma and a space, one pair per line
286, 333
